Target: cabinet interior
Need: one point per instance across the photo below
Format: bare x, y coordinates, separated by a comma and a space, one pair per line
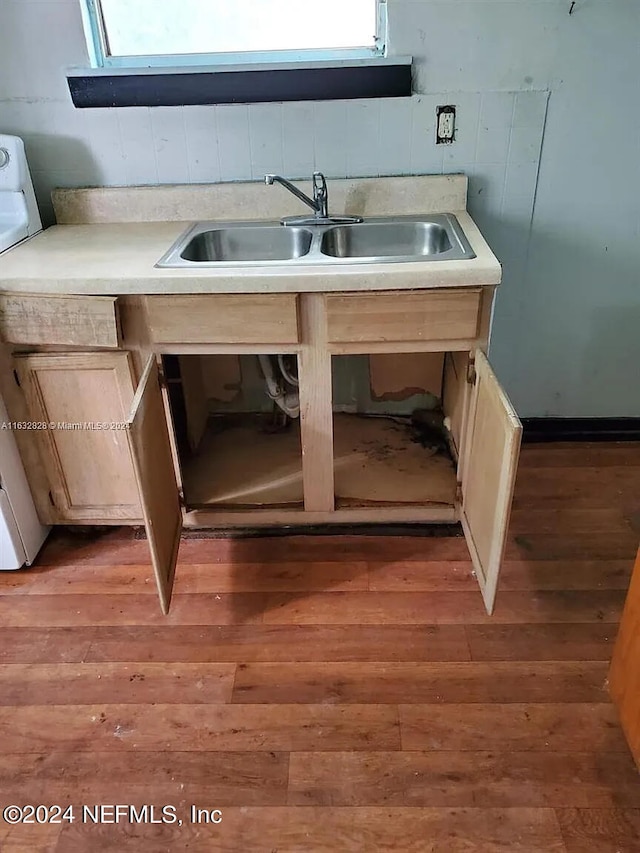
391, 431
236, 449
397, 422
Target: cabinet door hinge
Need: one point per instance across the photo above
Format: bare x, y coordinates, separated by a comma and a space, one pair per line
471, 371
162, 379
459, 493
181, 497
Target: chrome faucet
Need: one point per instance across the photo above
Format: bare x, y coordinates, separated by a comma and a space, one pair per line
319, 203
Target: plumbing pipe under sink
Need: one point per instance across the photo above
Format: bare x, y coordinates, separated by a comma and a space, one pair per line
287, 400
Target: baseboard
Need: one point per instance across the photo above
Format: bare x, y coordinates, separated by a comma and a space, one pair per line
580, 429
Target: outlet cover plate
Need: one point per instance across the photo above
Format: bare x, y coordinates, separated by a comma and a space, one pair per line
445, 124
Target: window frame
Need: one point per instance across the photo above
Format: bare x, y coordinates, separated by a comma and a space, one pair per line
95, 33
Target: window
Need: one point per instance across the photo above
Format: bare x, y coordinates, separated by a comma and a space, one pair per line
183, 52
148, 33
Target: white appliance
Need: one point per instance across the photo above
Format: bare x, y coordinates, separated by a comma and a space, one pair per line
21, 533
19, 216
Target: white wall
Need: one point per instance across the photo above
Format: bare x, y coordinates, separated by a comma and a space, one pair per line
567, 318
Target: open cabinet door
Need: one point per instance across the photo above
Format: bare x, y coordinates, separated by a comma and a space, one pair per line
624, 675
488, 476
153, 463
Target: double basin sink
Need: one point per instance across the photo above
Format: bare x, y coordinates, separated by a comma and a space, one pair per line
398, 239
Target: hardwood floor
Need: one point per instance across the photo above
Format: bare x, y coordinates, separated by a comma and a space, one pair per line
343, 693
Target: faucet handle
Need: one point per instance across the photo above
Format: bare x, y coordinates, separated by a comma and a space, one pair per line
319, 183
320, 194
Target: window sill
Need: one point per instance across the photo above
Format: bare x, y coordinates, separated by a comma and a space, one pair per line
380, 77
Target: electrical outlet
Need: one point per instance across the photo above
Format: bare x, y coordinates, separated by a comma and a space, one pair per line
445, 125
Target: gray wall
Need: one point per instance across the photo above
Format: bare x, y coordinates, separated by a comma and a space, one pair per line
564, 219
580, 318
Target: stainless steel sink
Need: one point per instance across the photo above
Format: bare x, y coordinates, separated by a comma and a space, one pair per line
397, 239
386, 240
253, 243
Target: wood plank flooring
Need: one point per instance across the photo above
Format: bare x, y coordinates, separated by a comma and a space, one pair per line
333, 694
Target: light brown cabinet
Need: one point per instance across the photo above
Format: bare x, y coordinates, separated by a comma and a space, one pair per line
415, 316
64, 321
77, 406
325, 473
223, 319
487, 475
105, 447
152, 458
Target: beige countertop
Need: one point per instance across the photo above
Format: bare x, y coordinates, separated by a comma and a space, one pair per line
113, 258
